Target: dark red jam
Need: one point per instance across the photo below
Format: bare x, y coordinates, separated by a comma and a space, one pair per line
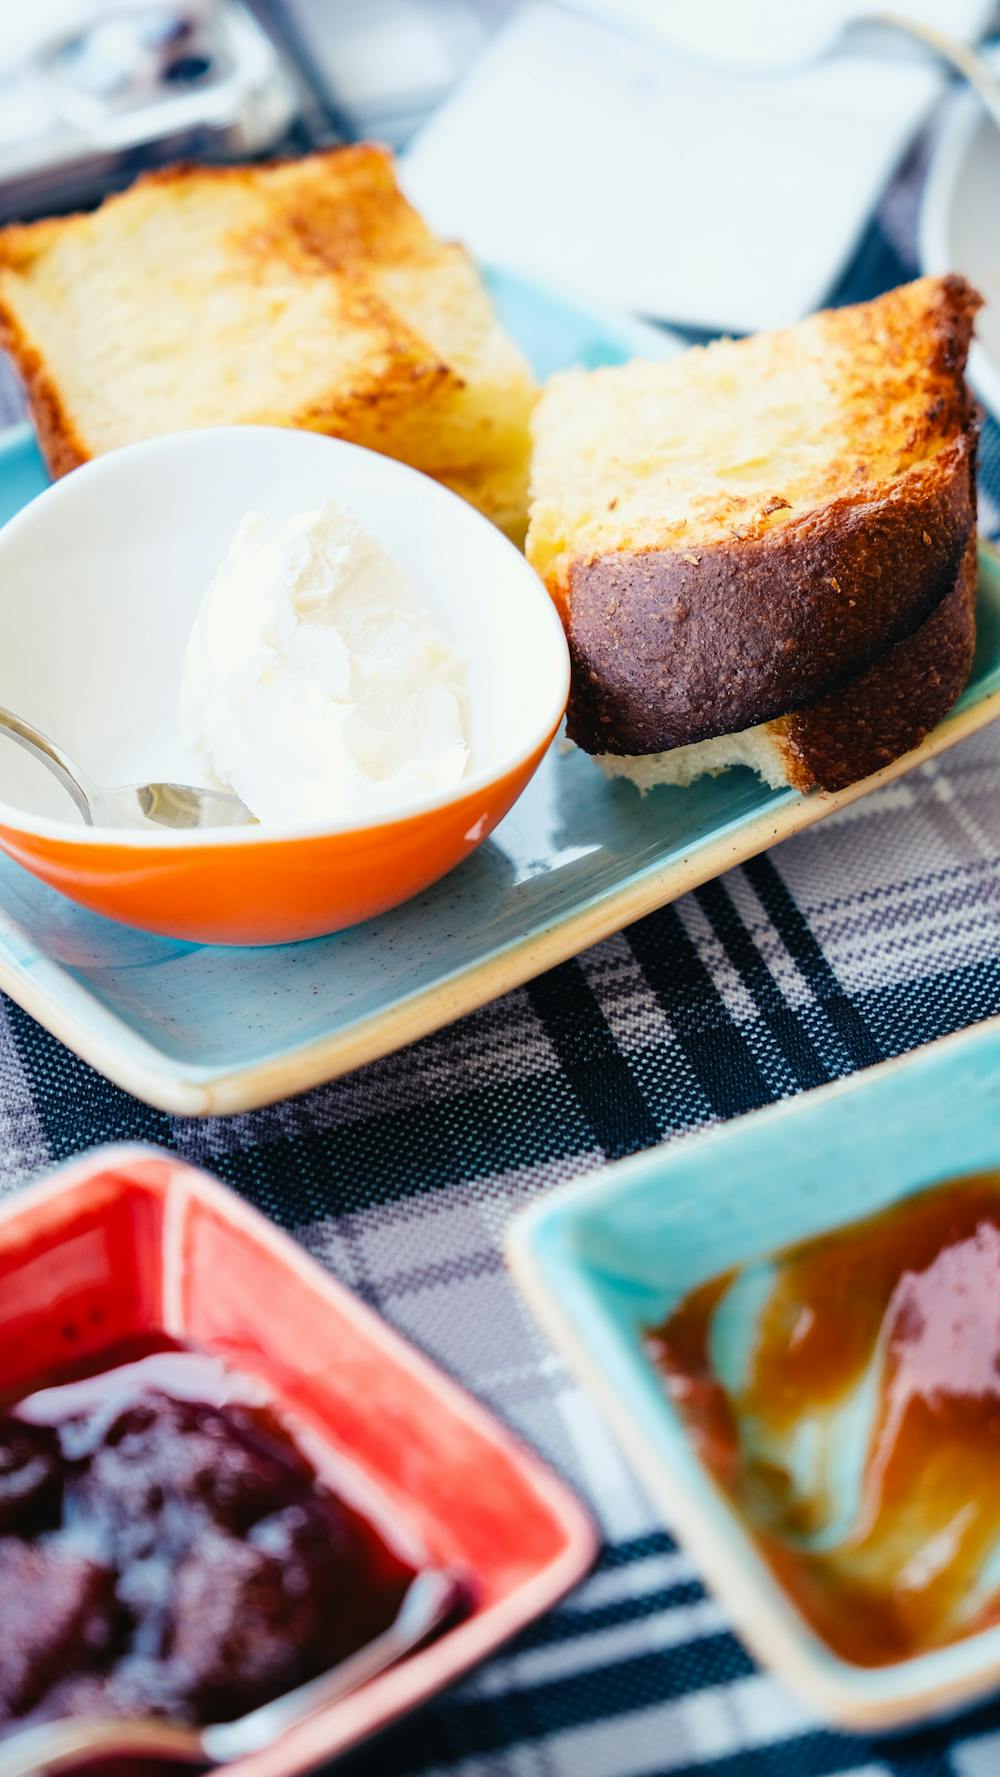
166, 1548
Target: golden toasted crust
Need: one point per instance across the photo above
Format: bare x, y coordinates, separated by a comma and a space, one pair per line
60, 443
305, 293
668, 650
323, 214
852, 732
760, 602
58, 439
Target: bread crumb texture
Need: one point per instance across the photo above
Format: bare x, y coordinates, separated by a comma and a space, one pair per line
305, 293
739, 438
738, 532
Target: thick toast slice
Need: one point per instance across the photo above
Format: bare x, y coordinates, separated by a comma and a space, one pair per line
306, 293
736, 533
853, 731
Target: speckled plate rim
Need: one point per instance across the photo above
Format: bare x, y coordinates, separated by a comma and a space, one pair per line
93, 1032
564, 1292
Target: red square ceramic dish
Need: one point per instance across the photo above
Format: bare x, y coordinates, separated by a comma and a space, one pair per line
130, 1240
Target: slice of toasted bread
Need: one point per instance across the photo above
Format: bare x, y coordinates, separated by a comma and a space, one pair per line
501, 492
852, 731
734, 533
306, 293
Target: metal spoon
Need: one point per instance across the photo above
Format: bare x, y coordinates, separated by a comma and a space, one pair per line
55, 1747
134, 805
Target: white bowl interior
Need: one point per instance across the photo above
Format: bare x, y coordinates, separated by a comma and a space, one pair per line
101, 577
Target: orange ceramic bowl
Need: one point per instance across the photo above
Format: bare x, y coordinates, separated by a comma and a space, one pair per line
100, 579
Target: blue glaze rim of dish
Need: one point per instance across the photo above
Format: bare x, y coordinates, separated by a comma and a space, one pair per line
603, 1258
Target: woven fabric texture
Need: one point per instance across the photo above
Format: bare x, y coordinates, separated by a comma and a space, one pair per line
864, 937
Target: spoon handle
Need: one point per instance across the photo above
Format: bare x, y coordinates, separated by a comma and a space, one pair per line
62, 1746
45, 750
433, 1597
966, 61
66, 1746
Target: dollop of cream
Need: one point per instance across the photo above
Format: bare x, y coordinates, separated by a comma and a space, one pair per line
316, 685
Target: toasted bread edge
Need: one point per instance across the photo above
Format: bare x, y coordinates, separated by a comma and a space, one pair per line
854, 731
58, 439
669, 649
894, 705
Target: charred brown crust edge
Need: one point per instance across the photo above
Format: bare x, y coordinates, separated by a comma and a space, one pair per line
890, 708
669, 649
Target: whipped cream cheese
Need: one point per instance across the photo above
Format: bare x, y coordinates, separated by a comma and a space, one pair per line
316, 684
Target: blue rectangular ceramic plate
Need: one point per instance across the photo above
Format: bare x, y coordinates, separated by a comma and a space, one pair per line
603, 1259
195, 1029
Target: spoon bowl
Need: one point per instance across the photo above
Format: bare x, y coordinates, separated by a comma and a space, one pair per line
131, 805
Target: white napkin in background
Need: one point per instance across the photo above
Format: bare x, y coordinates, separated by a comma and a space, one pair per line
597, 161
23, 26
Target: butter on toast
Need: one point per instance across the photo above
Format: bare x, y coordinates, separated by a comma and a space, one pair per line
737, 533
304, 293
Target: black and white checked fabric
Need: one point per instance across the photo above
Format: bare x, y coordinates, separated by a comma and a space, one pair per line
866, 936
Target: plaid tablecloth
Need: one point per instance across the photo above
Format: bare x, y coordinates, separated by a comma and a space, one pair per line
866, 936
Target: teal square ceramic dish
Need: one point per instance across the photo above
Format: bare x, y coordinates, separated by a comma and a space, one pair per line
605, 1259
199, 1029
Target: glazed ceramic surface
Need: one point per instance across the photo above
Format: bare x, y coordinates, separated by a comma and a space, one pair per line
198, 1029
130, 1241
602, 1260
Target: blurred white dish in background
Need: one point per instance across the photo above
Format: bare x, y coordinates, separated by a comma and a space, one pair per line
22, 27
960, 225
601, 162
763, 34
